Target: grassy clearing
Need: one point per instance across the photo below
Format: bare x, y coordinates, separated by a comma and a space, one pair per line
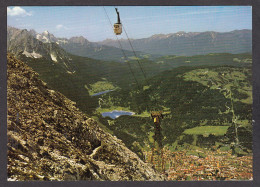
146, 87
101, 110
245, 60
223, 80
207, 130
99, 86
143, 114
133, 58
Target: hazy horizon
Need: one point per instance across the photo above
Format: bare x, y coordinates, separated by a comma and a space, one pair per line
126, 38
92, 23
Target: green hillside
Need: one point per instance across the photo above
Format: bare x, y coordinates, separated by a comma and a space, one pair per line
208, 59
192, 96
84, 75
207, 105
197, 100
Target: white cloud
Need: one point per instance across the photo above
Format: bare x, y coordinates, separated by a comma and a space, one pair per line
60, 26
17, 11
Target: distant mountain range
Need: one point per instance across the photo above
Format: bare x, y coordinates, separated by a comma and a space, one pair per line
36, 45
76, 45
191, 43
82, 47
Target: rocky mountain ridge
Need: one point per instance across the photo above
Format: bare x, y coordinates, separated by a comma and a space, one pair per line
23, 43
50, 139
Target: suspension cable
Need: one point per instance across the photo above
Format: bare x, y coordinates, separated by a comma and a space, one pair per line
125, 57
134, 53
155, 99
131, 68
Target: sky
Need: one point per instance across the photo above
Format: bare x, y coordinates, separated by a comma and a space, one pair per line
92, 23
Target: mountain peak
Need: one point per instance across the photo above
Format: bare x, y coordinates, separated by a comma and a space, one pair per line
181, 32
45, 37
33, 32
78, 39
46, 32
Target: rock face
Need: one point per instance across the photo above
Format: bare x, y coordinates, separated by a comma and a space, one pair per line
50, 139
23, 42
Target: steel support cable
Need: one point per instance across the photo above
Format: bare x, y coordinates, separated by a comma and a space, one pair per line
145, 78
139, 66
122, 51
134, 52
139, 87
155, 99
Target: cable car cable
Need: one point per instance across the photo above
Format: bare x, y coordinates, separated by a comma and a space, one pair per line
131, 70
145, 77
155, 99
134, 52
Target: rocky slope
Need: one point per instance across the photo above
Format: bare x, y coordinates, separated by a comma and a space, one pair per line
50, 139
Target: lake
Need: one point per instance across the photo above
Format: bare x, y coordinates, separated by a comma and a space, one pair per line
100, 93
116, 113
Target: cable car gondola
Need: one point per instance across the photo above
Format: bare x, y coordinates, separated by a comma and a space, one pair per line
118, 25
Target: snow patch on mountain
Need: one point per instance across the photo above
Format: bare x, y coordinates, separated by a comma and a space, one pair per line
64, 41
32, 55
45, 32
54, 58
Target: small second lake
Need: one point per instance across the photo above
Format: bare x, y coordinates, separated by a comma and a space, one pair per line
116, 113
100, 93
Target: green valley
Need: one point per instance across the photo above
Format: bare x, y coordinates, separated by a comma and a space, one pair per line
198, 111
207, 103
